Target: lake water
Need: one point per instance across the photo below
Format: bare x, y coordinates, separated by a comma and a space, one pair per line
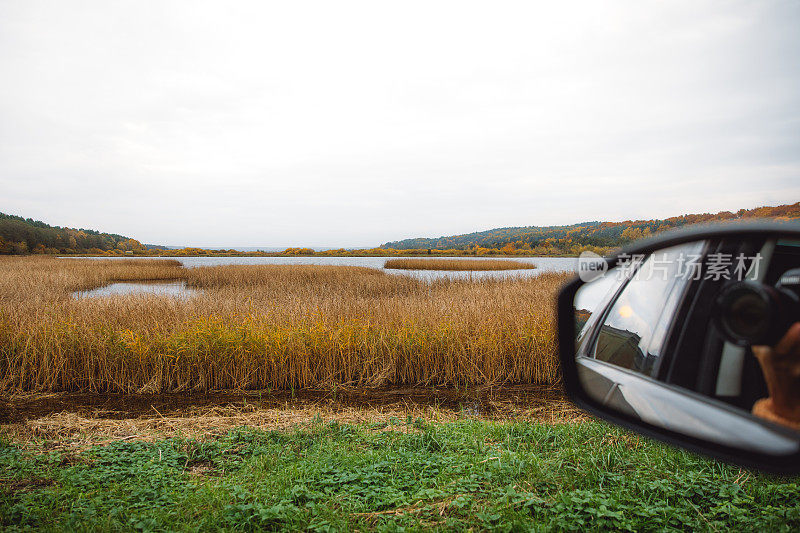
177, 289
543, 264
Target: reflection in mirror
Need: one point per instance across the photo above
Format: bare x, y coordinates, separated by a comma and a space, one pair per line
591, 298
702, 339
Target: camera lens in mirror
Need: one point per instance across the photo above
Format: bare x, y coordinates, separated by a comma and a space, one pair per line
746, 313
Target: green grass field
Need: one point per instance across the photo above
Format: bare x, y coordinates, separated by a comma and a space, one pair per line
404, 474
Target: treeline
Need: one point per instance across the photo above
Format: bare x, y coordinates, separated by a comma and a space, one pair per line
21, 236
339, 252
25, 236
573, 239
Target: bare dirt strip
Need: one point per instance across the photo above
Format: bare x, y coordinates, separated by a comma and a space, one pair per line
69, 419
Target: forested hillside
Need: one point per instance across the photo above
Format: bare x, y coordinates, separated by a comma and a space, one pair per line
549, 240
24, 235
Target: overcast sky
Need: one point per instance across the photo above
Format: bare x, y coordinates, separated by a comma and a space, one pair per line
353, 123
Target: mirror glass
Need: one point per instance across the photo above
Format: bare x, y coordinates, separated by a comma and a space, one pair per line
702, 339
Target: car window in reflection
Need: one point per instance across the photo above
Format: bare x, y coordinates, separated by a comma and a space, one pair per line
591, 298
635, 330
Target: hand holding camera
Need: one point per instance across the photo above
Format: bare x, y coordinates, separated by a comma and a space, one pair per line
781, 367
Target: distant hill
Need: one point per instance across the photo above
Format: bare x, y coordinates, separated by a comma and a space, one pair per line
25, 235
549, 240
20, 235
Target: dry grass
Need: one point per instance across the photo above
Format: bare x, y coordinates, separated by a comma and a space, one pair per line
457, 264
72, 429
68, 430
268, 327
77, 426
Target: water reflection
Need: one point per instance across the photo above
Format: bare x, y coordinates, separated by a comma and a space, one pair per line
430, 275
176, 289
543, 264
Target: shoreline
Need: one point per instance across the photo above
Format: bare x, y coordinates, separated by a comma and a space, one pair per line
489, 402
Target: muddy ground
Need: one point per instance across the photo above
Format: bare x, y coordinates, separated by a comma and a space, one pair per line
484, 401
69, 419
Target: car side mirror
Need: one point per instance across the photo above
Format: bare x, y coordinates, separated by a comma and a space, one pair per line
693, 338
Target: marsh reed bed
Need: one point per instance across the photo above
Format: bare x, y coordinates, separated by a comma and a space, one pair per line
457, 264
268, 327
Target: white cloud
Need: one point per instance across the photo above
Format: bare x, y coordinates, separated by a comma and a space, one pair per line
354, 123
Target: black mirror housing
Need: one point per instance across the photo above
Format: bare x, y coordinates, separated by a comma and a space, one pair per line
576, 387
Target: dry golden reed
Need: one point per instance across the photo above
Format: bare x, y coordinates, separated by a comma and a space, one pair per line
457, 264
268, 326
